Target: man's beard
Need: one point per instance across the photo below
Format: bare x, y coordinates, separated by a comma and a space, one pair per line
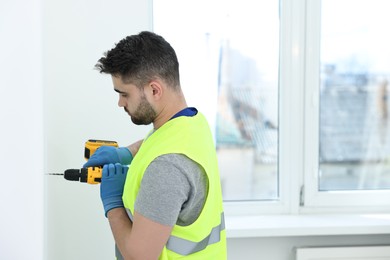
144, 114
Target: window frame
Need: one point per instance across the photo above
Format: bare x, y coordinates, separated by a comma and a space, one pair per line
298, 162
315, 200
291, 118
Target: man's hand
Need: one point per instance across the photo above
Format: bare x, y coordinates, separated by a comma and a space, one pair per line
111, 187
109, 154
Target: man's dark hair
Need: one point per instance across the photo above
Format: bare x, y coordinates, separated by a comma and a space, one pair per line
140, 58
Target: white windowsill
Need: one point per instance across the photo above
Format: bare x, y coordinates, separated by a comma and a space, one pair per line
306, 225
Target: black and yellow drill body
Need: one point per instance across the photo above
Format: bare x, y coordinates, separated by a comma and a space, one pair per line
91, 175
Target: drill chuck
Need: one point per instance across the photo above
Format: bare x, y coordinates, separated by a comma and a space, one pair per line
91, 175
76, 175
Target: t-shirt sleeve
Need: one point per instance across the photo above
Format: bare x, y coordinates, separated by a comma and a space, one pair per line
163, 191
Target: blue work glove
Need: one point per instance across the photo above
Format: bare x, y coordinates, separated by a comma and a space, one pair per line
109, 154
111, 187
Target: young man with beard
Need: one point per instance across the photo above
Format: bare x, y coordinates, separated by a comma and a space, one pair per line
162, 197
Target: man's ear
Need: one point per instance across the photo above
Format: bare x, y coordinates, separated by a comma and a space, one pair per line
156, 89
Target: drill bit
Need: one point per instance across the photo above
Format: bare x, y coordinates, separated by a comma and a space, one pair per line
70, 174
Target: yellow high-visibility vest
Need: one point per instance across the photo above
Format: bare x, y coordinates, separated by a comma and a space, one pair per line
206, 237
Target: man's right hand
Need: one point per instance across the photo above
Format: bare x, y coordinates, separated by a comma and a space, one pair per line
108, 154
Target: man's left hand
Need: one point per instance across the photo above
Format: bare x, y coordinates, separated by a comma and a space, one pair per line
111, 187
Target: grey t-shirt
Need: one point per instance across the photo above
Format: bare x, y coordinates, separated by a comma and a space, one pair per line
173, 190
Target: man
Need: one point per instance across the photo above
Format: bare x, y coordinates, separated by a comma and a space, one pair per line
168, 204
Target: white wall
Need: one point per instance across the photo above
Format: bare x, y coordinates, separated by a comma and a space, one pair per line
80, 104
49, 48
21, 119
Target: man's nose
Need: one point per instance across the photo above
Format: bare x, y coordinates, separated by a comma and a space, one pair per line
121, 102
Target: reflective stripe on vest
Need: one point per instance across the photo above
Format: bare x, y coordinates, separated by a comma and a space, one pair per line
186, 247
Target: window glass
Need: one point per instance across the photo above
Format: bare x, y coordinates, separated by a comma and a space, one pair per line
229, 64
354, 95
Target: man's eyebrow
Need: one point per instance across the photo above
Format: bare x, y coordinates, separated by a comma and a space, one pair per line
120, 92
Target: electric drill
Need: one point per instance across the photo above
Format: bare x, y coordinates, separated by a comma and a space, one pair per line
91, 175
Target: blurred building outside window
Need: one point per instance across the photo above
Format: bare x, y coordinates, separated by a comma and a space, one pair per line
354, 96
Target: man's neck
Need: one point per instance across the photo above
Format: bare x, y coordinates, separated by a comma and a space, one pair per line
167, 113
170, 104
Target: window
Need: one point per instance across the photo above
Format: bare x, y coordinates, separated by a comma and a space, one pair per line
296, 92
235, 73
352, 83
354, 123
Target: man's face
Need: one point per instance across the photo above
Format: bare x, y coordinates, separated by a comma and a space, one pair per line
134, 102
